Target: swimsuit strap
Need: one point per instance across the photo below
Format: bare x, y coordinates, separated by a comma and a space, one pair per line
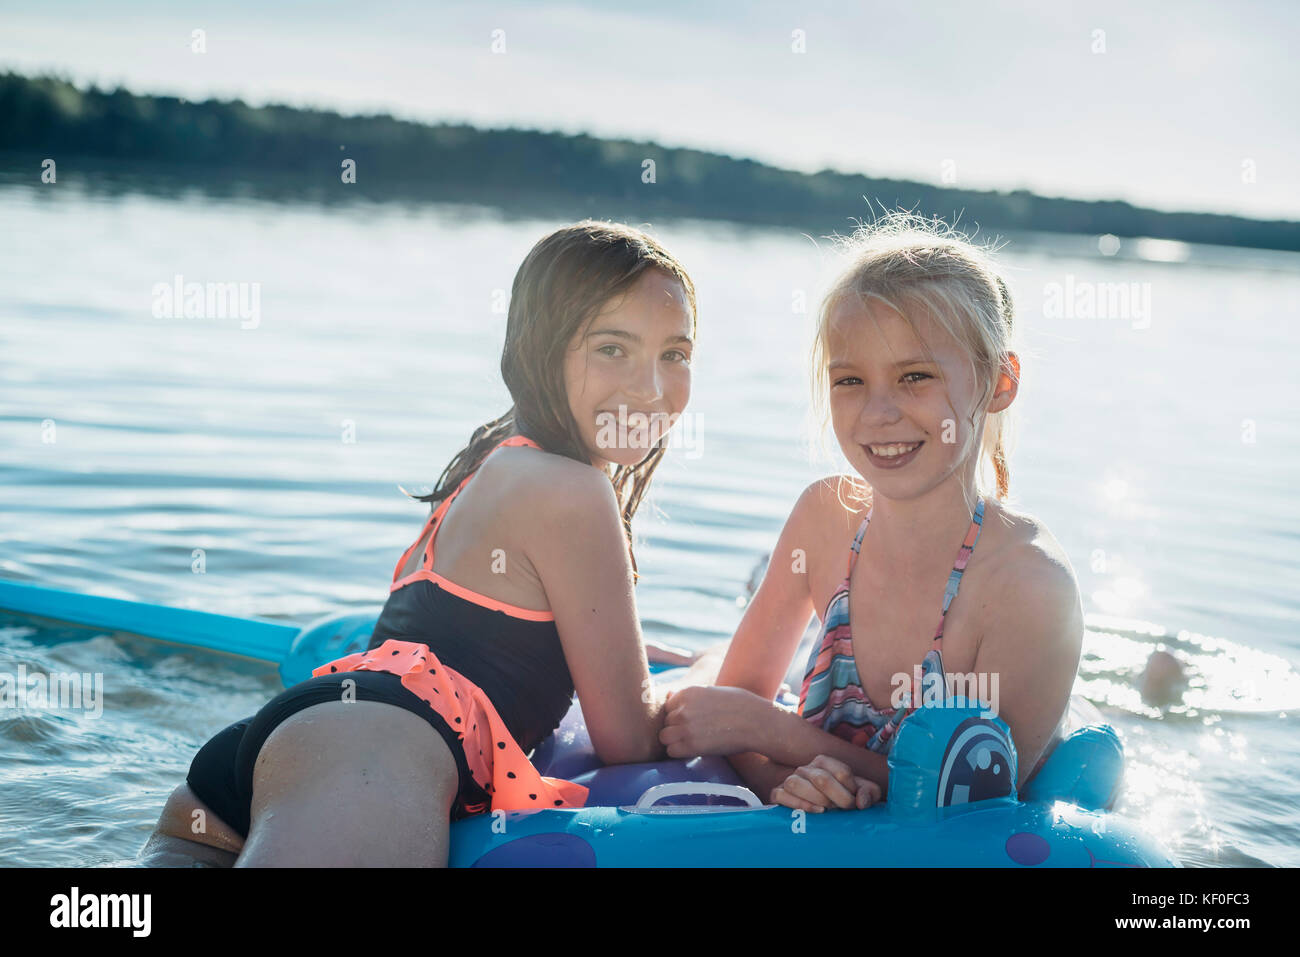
512, 441
856, 549
436, 518
932, 664
959, 568
424, 568
836, 629
515, 440
934, 661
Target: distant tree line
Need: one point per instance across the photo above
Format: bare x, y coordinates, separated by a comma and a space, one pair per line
301, 152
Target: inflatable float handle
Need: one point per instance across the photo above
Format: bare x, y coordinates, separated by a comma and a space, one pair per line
660, 791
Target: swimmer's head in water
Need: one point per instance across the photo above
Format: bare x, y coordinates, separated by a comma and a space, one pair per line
1163, 680
914, 289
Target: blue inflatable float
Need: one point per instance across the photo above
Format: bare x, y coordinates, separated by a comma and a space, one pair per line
952, 799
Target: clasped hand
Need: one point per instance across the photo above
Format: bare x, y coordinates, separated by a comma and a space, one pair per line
823, 783
713, 720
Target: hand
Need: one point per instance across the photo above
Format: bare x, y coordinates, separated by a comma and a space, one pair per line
657, 654
826, 782
713, 720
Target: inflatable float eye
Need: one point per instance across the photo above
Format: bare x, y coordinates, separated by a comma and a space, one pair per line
333, 637
977, 764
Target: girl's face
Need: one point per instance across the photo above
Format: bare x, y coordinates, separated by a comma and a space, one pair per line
628, 373
902, 401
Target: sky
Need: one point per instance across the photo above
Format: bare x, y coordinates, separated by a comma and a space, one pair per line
1172, 105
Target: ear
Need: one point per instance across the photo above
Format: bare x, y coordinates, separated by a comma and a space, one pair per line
1008, 385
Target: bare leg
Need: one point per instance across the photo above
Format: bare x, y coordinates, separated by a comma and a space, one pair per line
163, 850
190, 835
351, 784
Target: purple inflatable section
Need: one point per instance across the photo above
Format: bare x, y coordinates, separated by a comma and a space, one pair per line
569, 754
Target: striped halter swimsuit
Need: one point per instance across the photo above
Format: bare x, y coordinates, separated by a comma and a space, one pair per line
832, 696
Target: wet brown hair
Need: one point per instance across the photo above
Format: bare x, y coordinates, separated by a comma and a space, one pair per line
562, 284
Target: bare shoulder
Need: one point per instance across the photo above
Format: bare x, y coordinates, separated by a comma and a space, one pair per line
1025, 547
822, 524
1030, 572
832, 506
546, 488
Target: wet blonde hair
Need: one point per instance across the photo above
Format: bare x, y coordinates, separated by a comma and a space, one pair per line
914, 265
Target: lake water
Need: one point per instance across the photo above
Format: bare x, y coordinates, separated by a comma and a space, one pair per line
1158, 444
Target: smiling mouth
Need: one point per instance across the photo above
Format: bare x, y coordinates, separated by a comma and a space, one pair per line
631, 430
636, 422
893, 450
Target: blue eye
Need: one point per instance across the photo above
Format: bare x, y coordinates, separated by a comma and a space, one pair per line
847, 380
921, 374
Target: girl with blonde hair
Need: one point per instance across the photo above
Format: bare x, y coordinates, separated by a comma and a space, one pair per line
914, 361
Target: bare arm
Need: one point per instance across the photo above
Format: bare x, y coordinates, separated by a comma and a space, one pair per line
768, 634
760, 773
577, 546
785, 741
658, 653
1032, 651
766, 640
702, 671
